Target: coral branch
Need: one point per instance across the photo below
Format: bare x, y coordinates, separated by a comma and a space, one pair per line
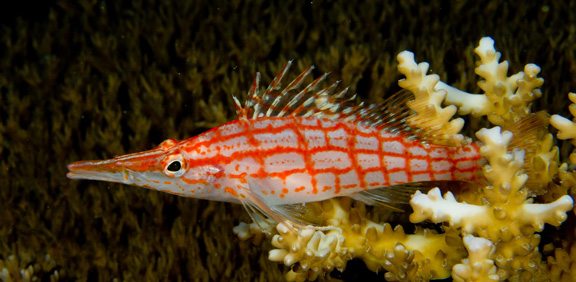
552, 213
436, 209
427, 104
567, 128
467, 103
506, 99
474, 218
478, 266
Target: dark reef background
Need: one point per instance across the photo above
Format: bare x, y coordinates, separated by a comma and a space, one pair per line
91, 79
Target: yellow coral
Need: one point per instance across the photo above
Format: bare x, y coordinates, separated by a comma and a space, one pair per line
311, 252
563, 264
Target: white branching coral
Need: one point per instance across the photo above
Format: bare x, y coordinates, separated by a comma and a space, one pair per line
428, 102
506, 99
567, 128
436, 209
567, 131
507, 216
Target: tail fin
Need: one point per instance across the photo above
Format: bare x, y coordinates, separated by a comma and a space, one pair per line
529, 135
530, 130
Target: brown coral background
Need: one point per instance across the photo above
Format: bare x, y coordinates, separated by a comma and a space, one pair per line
92, 79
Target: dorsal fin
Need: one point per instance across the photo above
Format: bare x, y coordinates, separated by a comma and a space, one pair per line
391, 114
278, 102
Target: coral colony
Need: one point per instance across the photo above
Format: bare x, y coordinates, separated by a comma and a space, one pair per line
489, 233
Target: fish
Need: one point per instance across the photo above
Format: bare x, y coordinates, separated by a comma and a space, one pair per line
296, 145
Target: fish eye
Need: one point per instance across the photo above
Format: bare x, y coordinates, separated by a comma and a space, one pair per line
174, 165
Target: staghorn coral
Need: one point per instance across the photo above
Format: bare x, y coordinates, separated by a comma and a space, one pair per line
502, 215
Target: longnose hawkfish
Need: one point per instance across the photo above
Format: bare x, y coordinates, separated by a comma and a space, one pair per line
292, 146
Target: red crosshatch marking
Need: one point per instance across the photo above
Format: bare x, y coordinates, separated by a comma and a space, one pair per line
380, 159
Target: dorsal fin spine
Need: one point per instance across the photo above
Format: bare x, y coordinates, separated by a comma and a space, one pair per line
253, 94
296, 83
342, 94
276, 81
255, 88
312, 86
239, 109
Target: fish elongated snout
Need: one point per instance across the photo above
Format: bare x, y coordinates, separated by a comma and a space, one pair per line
121, 169
106, 170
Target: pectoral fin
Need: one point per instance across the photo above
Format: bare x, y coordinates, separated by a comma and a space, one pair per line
296, 215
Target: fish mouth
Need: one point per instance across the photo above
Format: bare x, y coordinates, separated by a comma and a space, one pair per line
106, 170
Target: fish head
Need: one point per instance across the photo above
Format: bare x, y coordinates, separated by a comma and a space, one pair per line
165, 168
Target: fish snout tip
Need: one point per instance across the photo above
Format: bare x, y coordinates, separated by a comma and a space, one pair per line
72, 166
72, 175
81, 166
106, 170
75, 169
